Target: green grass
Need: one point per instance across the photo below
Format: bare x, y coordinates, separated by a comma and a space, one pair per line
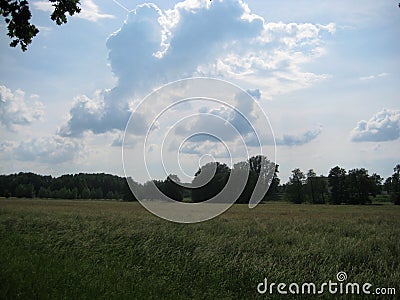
58, 249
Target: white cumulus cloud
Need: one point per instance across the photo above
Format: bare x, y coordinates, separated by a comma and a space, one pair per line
16, 110
383, 126
221, 39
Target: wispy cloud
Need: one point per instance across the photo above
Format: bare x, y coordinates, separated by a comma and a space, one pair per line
298, 139
374, 76
52, 149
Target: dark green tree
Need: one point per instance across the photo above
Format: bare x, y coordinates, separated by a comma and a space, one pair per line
218, 175
78, 186
85, 193
43, 193
242, 169
273, 191
295, 187
73, 193
316, 188
376, 184
388, 185
392, 185
321, 189
25, 191
17, 16
269, 170
338, 185
110, 195
255, 167
359, 186
171, 188
311, 185
63, 193
126, 192
96, 193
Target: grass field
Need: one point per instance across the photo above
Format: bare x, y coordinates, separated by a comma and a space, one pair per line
58, 249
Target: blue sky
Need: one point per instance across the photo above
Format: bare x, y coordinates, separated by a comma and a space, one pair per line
326, 73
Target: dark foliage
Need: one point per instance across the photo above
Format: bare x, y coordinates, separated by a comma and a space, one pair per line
78, 186
220, 175
295, 189
255, 167
17, 15
392, 185
170, 187
340, 187
355, 186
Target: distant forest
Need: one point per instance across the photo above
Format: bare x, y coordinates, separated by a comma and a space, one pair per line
354, 186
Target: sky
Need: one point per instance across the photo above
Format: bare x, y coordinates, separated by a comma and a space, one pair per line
318, 78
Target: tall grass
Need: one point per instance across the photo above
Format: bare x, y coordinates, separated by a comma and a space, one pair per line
113, 250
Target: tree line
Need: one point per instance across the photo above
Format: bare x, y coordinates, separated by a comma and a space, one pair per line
210, 180
354, 186
105, 186
77, 186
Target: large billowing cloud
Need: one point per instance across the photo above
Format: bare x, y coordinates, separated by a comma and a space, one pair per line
16, 110
198, 38
97, 114
383, 126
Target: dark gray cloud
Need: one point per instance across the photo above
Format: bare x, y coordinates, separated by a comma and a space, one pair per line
98, 114
298, 140
383, 126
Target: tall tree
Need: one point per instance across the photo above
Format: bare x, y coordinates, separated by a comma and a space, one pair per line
171, 188
392, 185
359, 186
311, 185
338, 186
265, 171
376, 184
273, 191
243, 169
295, 187
210, 179
321, 189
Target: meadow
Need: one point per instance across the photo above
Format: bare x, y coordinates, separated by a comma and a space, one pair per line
65, 249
